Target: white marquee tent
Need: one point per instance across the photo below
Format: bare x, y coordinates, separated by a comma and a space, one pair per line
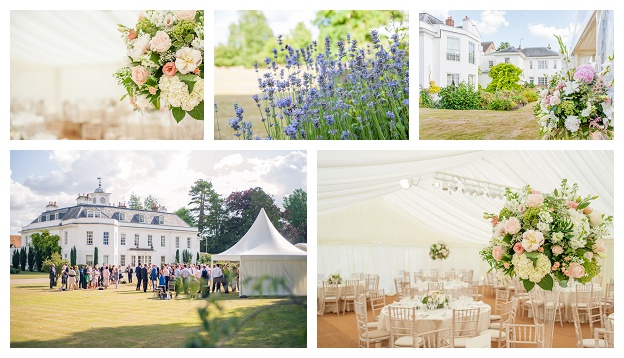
263, 251
368, 223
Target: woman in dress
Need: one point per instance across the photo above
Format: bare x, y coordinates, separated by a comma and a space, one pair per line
71, 279
95, 280
89, 277
105, 276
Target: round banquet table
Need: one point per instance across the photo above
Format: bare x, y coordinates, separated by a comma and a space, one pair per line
341, 287
567, 296
429, 320
450, 287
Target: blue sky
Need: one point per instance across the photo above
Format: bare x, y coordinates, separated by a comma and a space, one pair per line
38, 177
532, 28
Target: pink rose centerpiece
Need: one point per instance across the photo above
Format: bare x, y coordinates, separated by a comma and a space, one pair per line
165, 62
555, 237
439, 251
577, 104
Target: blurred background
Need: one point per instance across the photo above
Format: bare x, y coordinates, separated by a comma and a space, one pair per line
62, 85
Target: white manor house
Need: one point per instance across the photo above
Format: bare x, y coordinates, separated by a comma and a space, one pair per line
452, 54
123, 236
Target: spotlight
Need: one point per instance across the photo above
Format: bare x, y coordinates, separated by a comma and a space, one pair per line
405, 183
436, 184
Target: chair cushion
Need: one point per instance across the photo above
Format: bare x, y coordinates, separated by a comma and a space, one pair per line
376, 334
406, 341
494, 333
460, 342
372, 325
591, 343
495, 325
495, 317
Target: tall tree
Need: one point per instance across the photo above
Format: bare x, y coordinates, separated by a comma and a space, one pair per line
246, 205
23, 259
15, 259
247, 38
177, 256
186, 215
299, 37
31, 259
95, 256
503, 45
207, 206
150, 203
44, 244
296, 215
135, 202
358, 23
73, 256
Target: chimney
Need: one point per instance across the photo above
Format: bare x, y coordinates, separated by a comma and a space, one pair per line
449, 21
548, 46
162, 209
121, 205
520, 48
51, 205
154, 207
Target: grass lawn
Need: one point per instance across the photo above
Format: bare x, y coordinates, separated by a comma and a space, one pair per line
127, 318
492, 125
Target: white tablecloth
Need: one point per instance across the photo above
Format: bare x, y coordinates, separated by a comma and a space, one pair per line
429, 320
450, 287
331, 307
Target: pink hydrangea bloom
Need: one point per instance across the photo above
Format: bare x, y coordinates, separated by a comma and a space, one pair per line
584, 73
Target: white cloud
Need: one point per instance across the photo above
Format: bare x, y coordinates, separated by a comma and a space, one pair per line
490, 21
548, 32
229, 162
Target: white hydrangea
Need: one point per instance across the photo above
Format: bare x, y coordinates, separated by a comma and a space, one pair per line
580, 228
572, 123
175, 92
525, 270
157, 17
543, 227
545, 217
556, 237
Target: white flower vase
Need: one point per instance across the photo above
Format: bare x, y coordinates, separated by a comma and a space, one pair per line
187, 129
544, 308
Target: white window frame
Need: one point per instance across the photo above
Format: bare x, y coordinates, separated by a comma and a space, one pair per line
163, 241
177, 242
161, 220
471, 80
89, 237
122, 260
122, 217
122, 239
507, 59
56, 216
162, 259
105, 236
554, 64
450, 77
137, 240
188, 242
530, 65
104, 259
532, 80
141, 218
149, 241
89, 259
452, 53
472, 52
542, 64
65, 237
542, 81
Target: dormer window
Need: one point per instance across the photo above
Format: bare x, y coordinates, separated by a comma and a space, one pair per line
142, 218
161, 220
94, 214
122, 216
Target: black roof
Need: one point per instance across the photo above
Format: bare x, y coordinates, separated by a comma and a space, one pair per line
113, 212
425, 17
539, 52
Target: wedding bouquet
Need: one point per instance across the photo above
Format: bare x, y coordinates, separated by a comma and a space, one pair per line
540, 237
576, 104
435, 299
439, 251
335, 278
164, 62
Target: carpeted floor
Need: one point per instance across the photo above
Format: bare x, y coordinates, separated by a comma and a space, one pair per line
335, 331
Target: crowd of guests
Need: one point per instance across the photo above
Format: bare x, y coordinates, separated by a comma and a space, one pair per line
149, 277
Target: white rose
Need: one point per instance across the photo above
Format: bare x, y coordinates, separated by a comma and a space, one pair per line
160, 42
185, 14
532, 240
143, 103
187, 59
140, 46
588, 255
169, 19
595, 218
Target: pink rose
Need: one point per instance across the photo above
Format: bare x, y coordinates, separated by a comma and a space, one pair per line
497, 253
572, 204
535, 192
169, 69
518, 249
599, 247
555, 266
139, 75
540, 249
535, 200
160, 42
588, 255
557, 250
494, 220
506, 264
587, 210
576, 270
185, 14
132, 34
512, 226
152, 90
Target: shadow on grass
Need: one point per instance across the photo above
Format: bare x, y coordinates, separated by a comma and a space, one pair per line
270, 330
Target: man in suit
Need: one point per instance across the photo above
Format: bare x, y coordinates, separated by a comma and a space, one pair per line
52, 276
138, 276
144, 277
217, 276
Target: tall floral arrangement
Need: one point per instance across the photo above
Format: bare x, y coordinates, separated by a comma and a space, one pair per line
439, 251
164, 62
576, 104
541, 238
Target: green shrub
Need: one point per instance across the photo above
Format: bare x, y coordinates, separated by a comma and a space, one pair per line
501, 104
15, 270
58, 262
425, 100
505, 76
463, 96
530, 95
